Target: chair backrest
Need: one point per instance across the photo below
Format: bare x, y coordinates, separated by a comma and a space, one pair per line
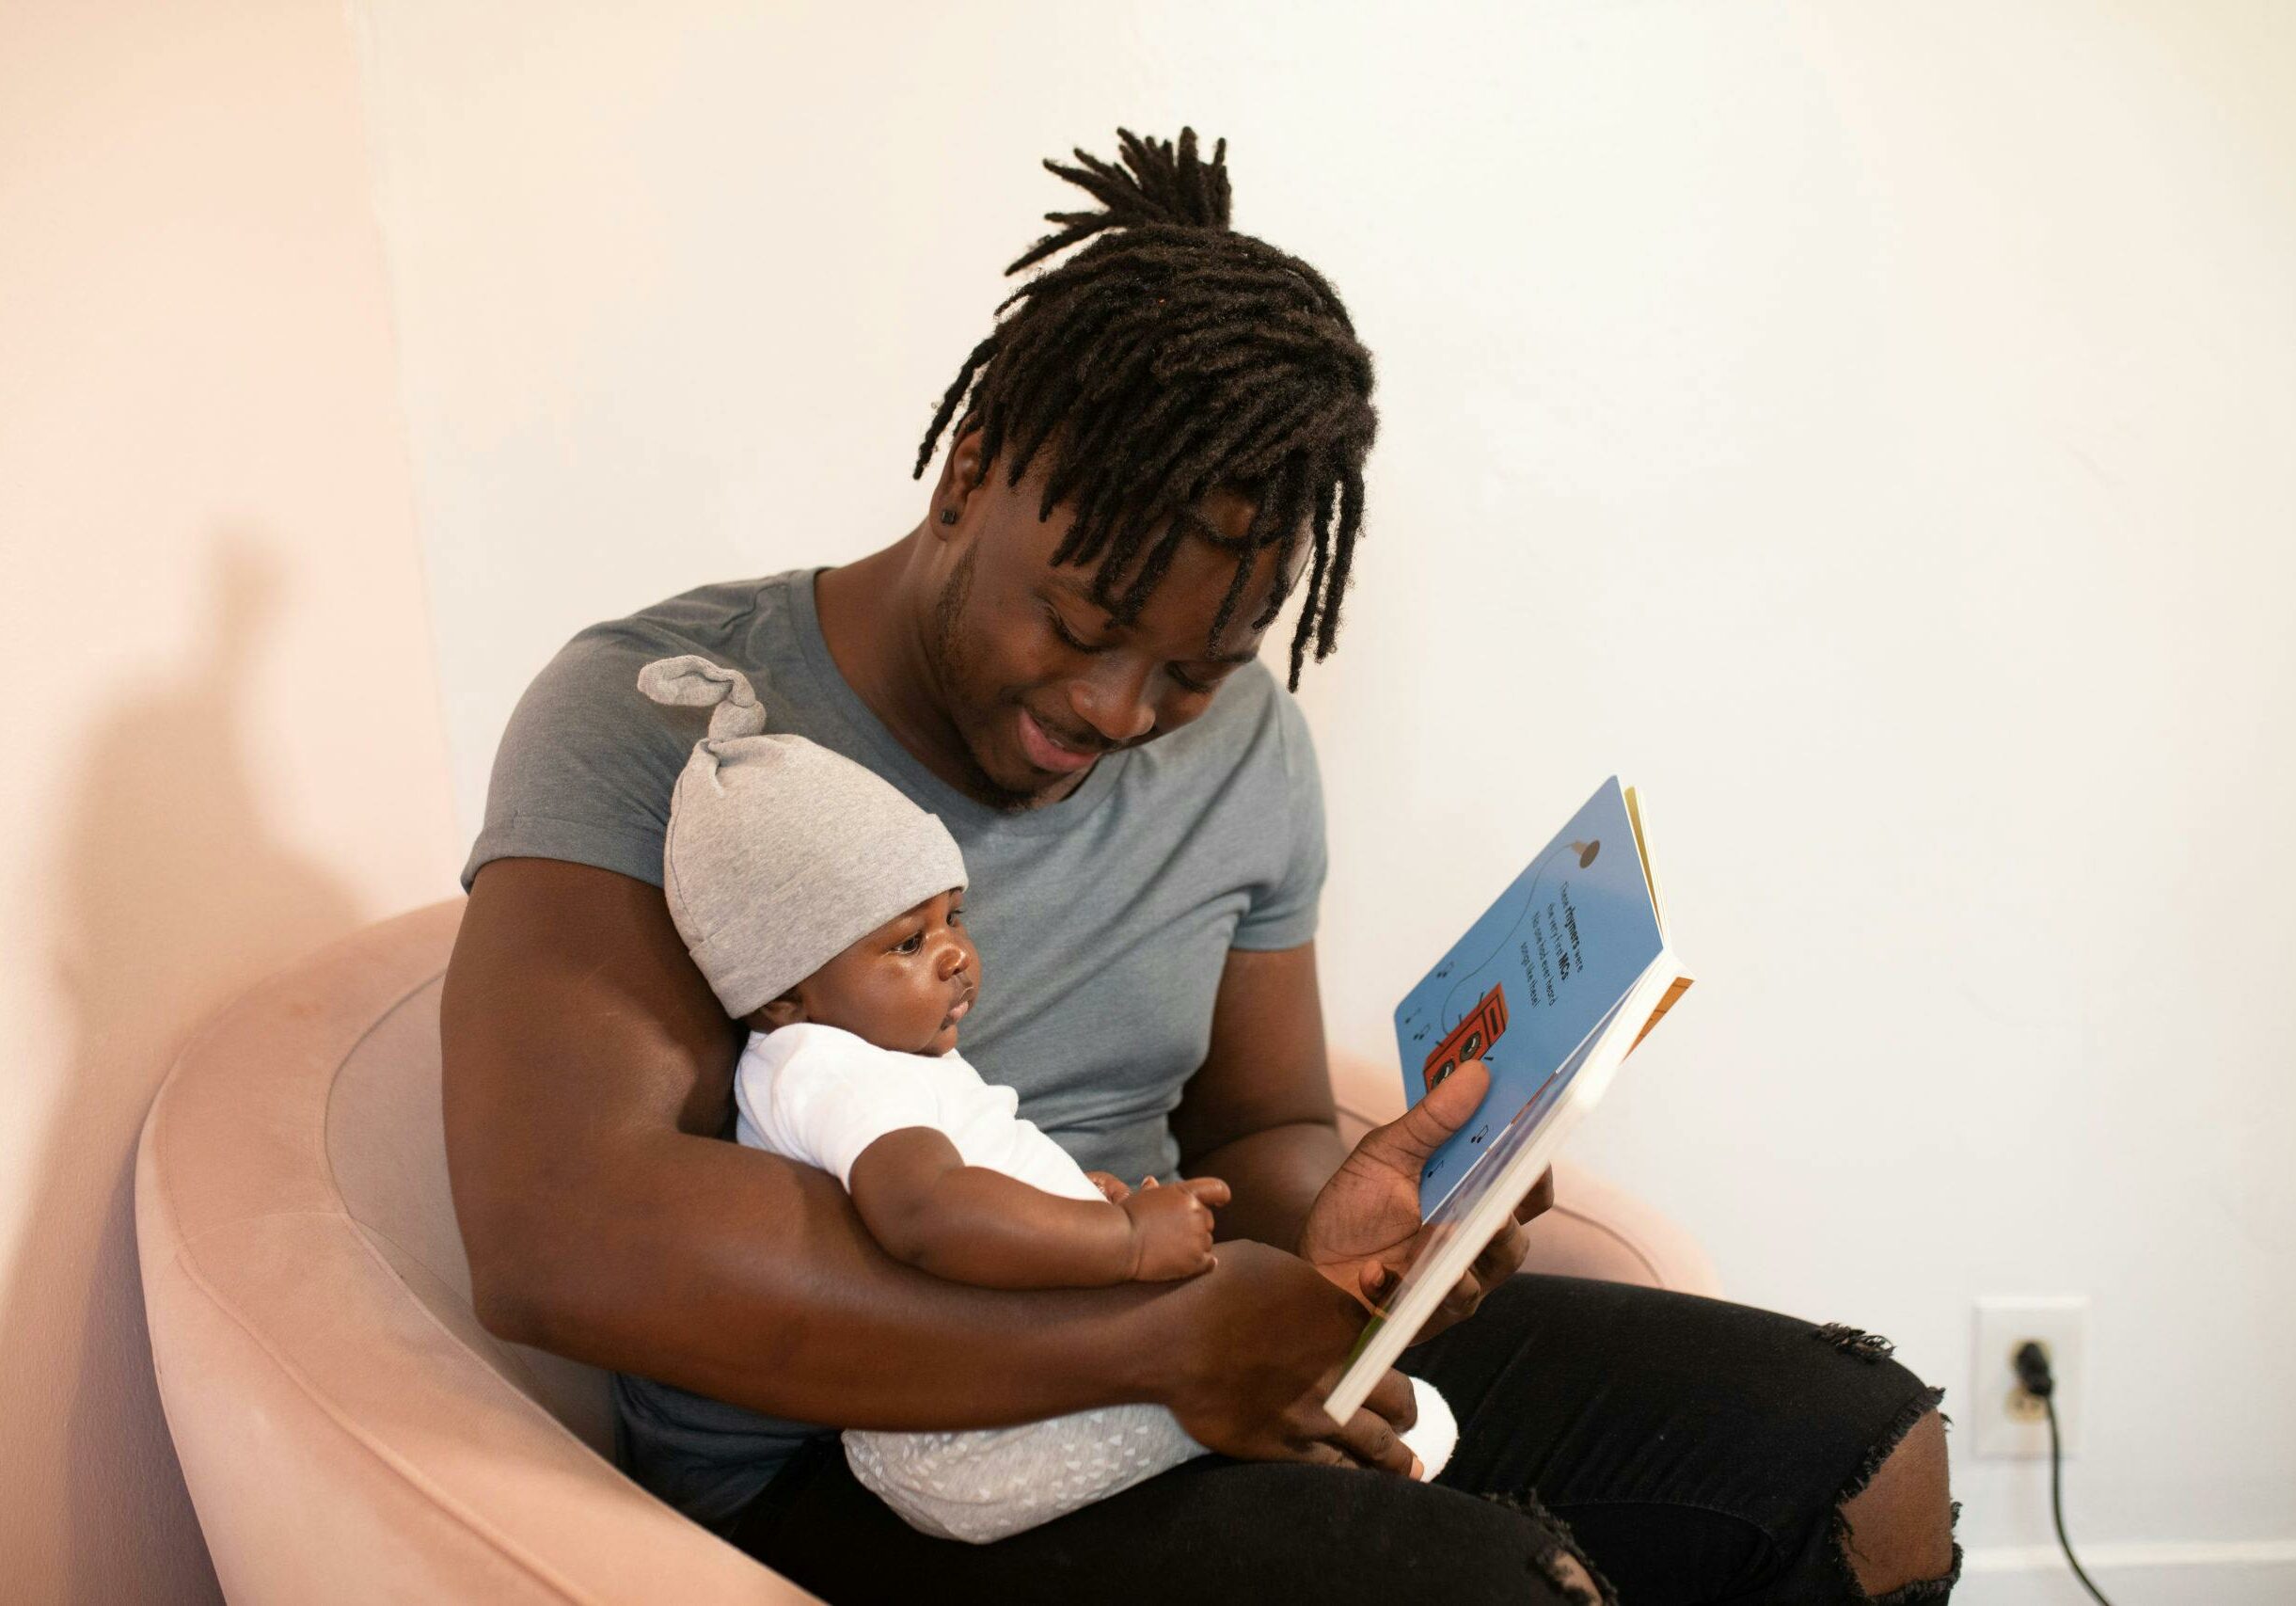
387, 1147
348, 1430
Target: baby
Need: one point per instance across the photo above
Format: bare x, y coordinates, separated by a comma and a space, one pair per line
827, 911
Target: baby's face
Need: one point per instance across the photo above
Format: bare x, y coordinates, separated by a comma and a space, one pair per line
903, 986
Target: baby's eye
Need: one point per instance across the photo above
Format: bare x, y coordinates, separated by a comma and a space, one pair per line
911, 943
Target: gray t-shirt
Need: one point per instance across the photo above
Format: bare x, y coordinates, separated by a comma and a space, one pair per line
1103, 920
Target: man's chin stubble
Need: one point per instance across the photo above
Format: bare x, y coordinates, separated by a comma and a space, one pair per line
946, 656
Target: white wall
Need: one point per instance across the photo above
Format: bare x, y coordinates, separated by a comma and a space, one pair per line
1865, 427
222, 727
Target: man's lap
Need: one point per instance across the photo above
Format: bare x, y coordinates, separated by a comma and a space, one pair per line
1212, 1529
1699, 1449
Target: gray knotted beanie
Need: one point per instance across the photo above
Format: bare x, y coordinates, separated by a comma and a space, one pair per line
781, 853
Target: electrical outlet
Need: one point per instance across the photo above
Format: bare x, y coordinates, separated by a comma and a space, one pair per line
2011, 1423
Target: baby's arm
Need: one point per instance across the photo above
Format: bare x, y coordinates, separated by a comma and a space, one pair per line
967, 1223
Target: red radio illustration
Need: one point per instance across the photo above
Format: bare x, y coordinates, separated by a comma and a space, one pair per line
1471, 1039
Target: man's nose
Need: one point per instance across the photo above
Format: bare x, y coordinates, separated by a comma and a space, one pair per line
1113, 699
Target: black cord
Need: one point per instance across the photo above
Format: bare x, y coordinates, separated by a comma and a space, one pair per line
2056, 1503
2031, 1362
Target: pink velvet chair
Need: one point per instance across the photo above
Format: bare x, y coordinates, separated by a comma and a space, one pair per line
349, 1432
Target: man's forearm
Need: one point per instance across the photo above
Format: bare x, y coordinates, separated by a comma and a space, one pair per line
750, 1279
1275, 1174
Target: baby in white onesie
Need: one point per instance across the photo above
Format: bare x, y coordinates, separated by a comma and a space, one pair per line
827, 911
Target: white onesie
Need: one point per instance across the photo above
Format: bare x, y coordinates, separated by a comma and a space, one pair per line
820, 1095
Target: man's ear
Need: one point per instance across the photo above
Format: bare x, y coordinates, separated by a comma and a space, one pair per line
786, 1011
961, 476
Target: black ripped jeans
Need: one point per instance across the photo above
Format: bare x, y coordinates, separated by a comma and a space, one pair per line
1697, 1451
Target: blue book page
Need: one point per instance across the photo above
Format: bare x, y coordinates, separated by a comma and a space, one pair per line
1528, 982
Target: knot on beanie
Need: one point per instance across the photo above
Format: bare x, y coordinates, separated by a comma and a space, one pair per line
693, 682
781, 853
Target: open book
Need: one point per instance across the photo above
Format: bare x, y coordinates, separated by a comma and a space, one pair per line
1551, 989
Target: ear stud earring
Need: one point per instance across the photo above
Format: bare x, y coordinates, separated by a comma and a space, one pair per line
948, 515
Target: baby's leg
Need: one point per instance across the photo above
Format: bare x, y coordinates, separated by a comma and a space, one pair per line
980, 1486
983, 1485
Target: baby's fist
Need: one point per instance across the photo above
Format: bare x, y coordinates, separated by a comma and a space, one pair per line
1172, 1227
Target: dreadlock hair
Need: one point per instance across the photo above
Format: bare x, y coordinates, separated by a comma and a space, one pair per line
1170, 357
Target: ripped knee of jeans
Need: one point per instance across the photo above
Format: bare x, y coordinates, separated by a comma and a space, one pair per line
1556, 1557
1920, 1590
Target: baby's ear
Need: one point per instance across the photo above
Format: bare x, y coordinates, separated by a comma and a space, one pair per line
786, 1011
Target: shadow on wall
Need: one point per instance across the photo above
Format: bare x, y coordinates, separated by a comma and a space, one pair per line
168, 896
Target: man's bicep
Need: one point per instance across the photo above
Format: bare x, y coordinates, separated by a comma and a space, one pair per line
573, 1016
577, 1040
1266, 1065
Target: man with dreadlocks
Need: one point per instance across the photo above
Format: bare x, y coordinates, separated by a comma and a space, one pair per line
1160, 442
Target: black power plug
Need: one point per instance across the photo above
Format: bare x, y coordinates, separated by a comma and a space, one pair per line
2032, 1363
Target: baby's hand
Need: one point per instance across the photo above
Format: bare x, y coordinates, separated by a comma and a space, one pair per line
1172, 1228
1111, 1185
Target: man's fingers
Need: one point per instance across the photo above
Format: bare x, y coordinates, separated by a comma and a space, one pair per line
1395, 1401
1464, 1296
1369, 1439
1540, 1197
1502, 1257
1406, 1142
